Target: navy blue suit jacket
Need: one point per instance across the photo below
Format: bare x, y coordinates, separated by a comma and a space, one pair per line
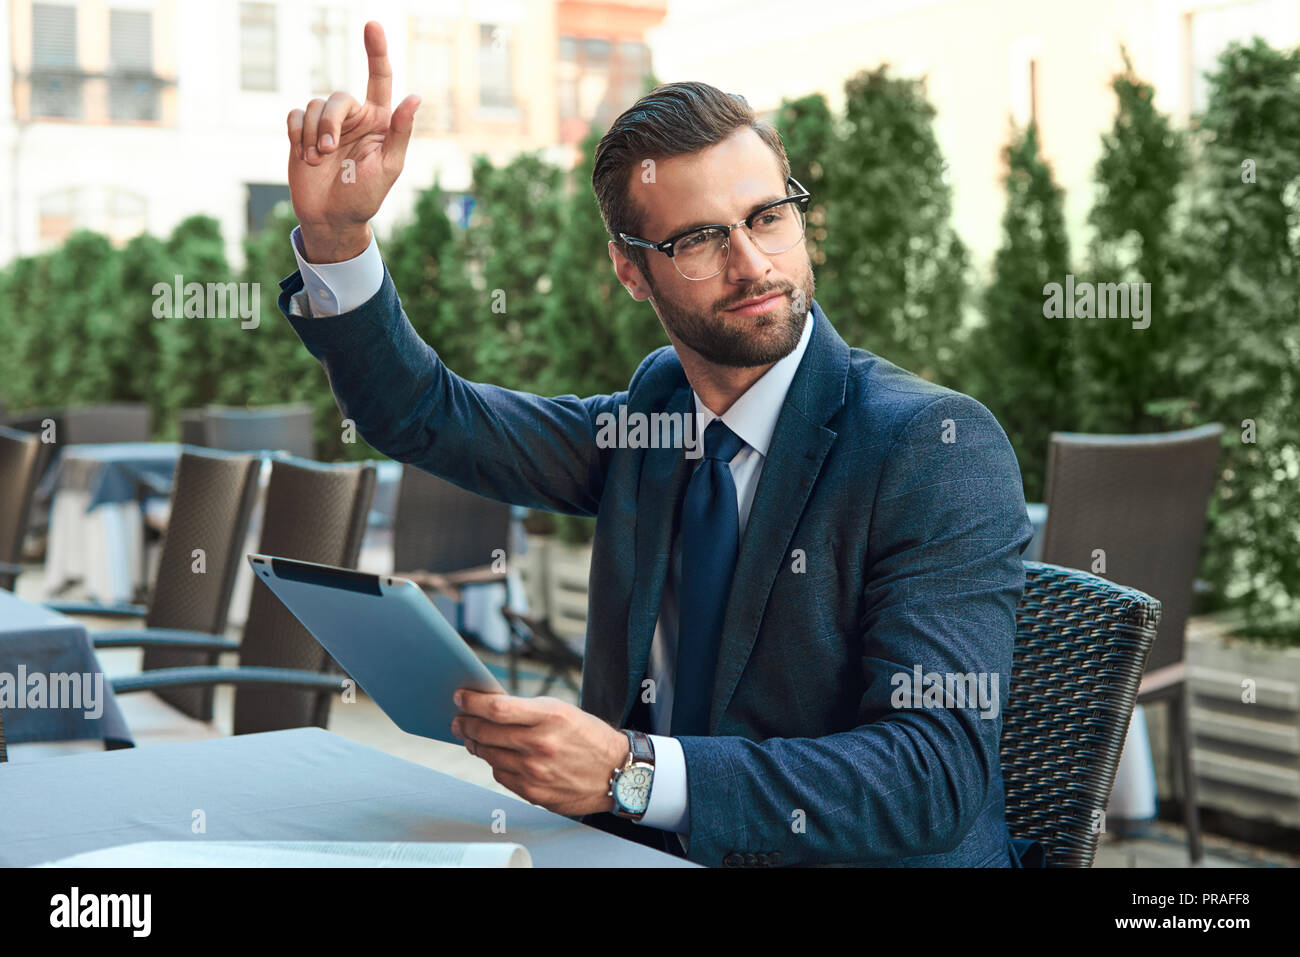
886, 532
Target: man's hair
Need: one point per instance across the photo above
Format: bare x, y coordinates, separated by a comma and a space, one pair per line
670, 120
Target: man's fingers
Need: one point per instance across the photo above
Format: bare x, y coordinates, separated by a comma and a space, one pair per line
504, 759
486, 732
379, 88
500, 708
337, 109
310, 130
294, 123
399, 132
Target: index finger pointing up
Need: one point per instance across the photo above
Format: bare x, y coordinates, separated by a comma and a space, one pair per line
379, 88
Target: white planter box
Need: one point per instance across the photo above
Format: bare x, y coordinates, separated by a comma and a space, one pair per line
555, 578
1246, 753
568, 572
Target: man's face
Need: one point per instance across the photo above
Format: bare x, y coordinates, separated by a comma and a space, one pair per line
751, 313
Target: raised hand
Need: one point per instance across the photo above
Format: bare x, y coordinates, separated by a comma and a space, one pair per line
344, 156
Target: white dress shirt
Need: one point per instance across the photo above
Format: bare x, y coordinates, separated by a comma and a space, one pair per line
335, 288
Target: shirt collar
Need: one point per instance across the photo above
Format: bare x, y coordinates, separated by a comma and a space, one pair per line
753, 416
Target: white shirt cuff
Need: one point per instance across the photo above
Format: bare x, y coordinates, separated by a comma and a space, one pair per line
669, 798
335, 288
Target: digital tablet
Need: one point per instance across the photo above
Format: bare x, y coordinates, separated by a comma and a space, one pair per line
386, 635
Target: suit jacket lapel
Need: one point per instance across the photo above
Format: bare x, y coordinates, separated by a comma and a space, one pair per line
794, 460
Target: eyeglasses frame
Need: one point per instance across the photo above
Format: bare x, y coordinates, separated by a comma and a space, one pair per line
667, 247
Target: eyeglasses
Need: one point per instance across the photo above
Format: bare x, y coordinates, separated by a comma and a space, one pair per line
701, 253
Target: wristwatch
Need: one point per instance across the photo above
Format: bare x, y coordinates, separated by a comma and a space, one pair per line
630, 783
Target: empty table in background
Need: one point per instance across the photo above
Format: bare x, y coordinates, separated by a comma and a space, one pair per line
38, 647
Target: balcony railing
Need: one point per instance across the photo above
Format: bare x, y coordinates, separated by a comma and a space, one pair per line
115, 96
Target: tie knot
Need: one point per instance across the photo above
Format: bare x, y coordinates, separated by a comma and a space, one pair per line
720, 442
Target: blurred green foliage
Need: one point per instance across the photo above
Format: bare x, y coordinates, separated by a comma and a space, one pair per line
1237, 303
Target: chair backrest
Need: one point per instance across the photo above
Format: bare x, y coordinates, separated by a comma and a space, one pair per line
33, 420
1081, 644
284, 427
314, 513
3, 758
439, 527
1142, 500
211, 504
22, 461
110, 422
192, 429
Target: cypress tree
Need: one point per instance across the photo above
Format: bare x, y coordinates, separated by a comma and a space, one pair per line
1019, 360
894, 279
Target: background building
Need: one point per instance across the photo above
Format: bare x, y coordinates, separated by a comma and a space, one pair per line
128, 115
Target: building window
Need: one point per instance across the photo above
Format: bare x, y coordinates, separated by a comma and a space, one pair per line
56, 81
116, 213
58, 212
633, 71
262, 198
431, 63
257, 46
124, 215
566, 76
328, 39
495, 84
133, 88
597, 80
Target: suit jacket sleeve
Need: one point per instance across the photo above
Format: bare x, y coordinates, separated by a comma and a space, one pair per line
942, 580
512, 446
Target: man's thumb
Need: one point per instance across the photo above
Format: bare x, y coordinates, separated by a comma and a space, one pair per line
399, 130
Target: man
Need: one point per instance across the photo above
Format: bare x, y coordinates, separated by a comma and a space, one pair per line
758, 608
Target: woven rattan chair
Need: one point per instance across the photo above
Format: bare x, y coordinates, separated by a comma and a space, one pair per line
192, 429
283, 427
46, 423
1081, 644
3, 758
1142, 499
211, 503
445, 538
34, 420
553, 633
315, 513
22, 462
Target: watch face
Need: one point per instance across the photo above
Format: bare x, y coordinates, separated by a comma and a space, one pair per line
633, 789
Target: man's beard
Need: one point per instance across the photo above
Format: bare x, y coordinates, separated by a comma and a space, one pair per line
726, 339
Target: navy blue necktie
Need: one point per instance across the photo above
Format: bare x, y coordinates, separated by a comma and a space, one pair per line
710, 541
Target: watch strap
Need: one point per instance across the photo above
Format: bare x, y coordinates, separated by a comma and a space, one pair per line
642, 748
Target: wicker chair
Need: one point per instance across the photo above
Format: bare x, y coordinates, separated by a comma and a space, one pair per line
3, 758
211, 504
110, 422
313, 513
192, 430
1143, 500
34, 421
1081, 644
445, 538
22, 462
284, 427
